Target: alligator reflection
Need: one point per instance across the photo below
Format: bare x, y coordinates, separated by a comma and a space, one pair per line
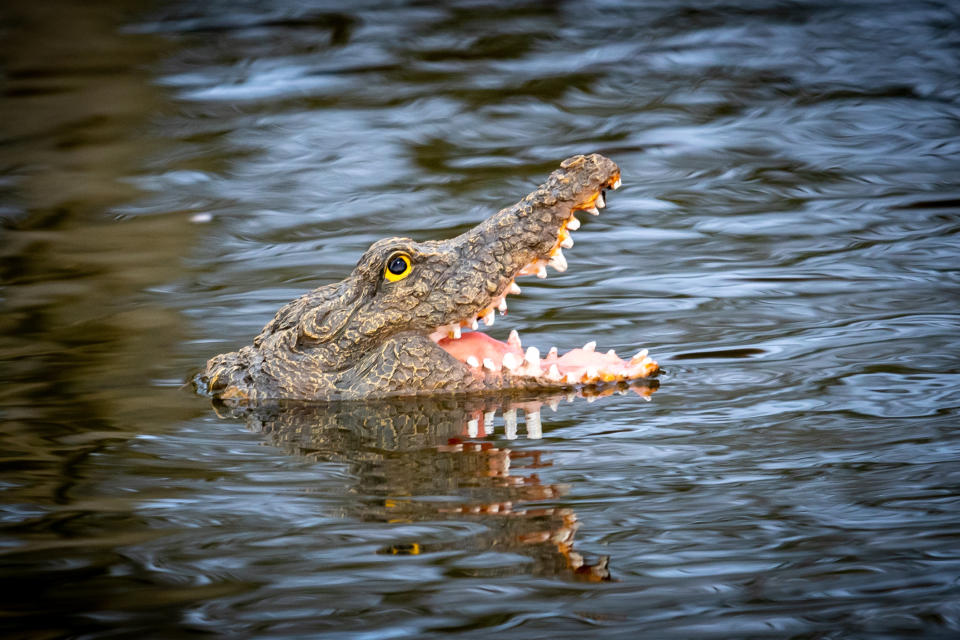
444, 458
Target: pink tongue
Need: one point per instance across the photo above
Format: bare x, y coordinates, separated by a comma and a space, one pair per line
481, 346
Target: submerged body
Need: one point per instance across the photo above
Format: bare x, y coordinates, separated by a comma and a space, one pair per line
395, 325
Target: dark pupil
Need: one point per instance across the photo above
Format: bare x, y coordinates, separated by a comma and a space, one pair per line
397, 266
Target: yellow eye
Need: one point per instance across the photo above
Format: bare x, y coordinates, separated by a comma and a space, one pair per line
398, 267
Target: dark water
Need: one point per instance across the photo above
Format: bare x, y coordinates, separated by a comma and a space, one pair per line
786, 245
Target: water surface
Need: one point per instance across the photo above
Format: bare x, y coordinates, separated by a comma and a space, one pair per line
785, 243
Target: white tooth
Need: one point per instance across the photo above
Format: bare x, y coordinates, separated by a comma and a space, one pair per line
554, 404
612, 353
600, 202
592, 373
455, 332
616, 185
558, 262
567, 242
532, 356
552, 353
472, 361
570, 396
593, 211
553, 373
640, 355
590, 346
488, 318
573, 224
502, 306
592, 399
488, 421
534, 426
514, 289
473, 428
488, 364
473, 324
510, 361
542, 272
514, 340
510, 424
646, 361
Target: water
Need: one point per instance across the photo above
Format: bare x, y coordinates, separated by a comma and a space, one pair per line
786, 245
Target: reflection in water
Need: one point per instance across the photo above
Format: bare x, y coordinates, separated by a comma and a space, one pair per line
428, 459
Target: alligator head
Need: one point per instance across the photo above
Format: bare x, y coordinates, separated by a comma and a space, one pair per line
405, 321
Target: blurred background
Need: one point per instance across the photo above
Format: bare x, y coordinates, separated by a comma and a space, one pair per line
785, 244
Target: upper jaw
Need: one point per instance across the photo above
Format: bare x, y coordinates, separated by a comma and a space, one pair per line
524, 239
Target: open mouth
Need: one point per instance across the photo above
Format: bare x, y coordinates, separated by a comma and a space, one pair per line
487, 356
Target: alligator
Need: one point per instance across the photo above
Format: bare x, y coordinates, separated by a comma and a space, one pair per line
406, 321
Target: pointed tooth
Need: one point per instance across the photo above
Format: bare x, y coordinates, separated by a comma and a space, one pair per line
552, 353
514, 340
612, 353
473, 324
513, 288
502, 306
488, 318
558, 261
534, 426
567, 242
488, 421
570, 396
473, 362
616, 184
590, 346
455, 331
554, 404
510, 424
573, 224
489, 364
510, 361
592, 399
473, 428
542, 272
592, 374
593, 211
532, 356
600, 202
553, 373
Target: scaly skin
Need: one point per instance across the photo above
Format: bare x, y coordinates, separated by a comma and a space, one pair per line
368, 336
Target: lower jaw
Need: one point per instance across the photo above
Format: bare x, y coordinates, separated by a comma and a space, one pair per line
488, 356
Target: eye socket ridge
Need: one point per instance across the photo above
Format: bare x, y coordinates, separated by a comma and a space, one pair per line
398, 267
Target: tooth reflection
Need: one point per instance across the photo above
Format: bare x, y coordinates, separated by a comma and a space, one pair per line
534, 427
510, 424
